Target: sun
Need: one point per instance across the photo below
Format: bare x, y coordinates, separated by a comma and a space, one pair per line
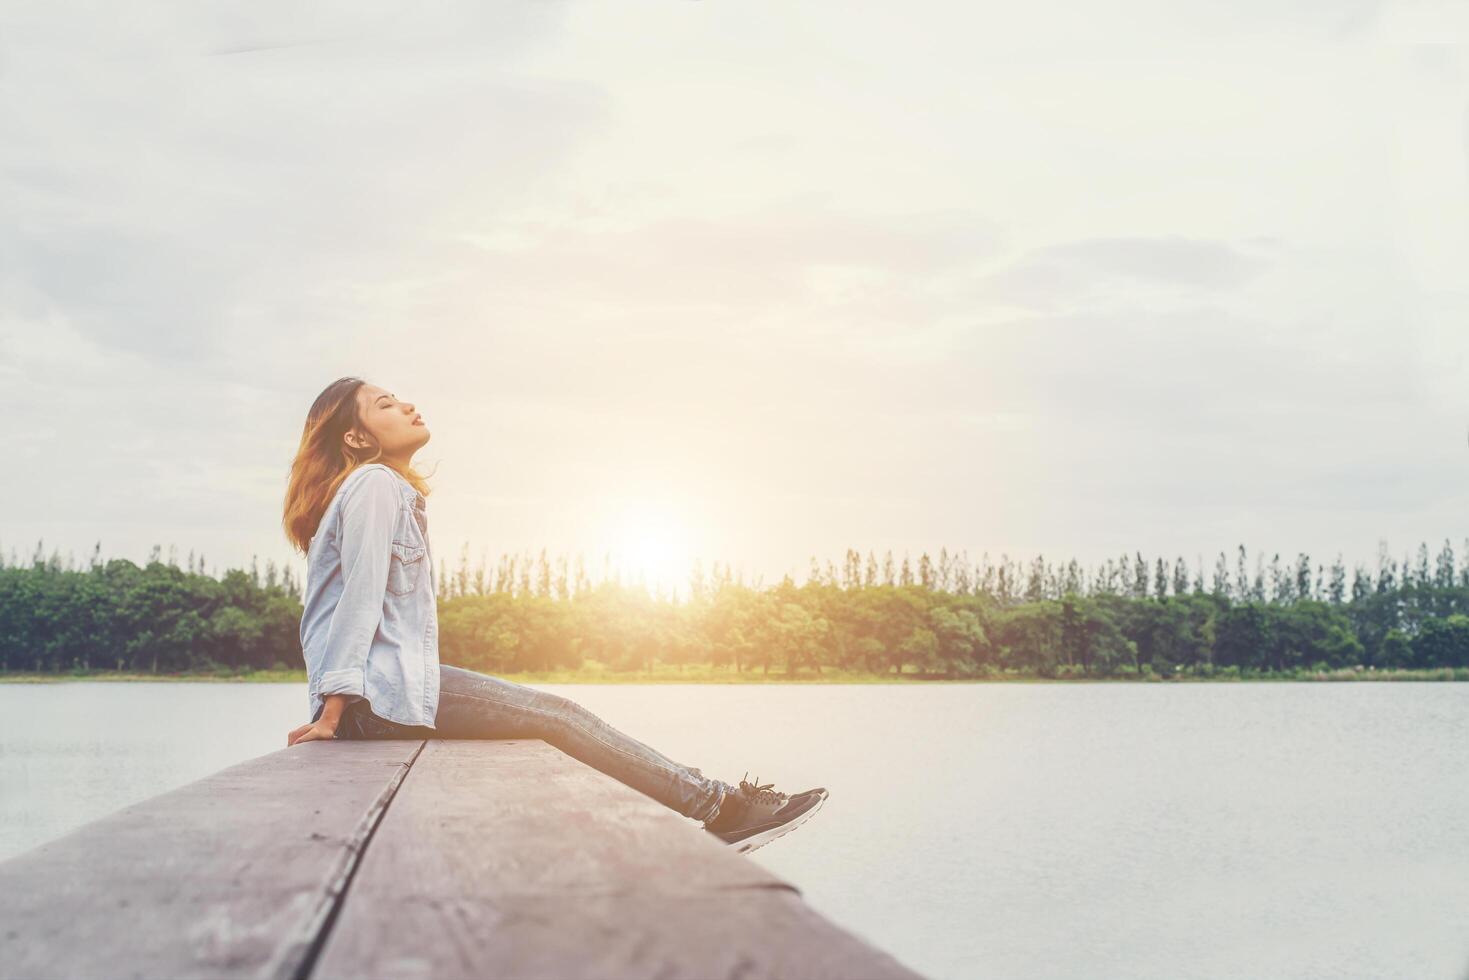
652, 541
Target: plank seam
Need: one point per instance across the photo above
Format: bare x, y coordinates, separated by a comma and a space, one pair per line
315, 928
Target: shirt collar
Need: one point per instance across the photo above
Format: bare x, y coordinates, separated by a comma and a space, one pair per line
410, 494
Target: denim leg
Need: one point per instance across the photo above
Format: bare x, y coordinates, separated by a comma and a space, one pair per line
475, 705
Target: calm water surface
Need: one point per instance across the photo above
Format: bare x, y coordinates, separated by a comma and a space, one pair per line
1207, 830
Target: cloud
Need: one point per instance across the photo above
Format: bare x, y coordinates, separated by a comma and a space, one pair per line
155, 29
165, 202
690, 273
1081, 272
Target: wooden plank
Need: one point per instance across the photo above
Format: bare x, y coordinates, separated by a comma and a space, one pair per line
512, 859
233, 875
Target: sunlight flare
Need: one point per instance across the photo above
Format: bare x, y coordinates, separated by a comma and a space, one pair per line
651, 541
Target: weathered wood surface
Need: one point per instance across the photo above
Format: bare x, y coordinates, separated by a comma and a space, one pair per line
512, 859
405, 858
230, 876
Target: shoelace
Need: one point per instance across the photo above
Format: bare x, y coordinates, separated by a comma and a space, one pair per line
761, 794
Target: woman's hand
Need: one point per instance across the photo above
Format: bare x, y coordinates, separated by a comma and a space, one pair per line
321, 728
325, 726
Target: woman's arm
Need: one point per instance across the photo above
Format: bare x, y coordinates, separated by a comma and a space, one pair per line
369, 516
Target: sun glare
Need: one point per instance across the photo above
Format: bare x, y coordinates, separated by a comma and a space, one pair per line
653, 542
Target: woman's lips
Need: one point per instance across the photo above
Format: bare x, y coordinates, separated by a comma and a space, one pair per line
418, 421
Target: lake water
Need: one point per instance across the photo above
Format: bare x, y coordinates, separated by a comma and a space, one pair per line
1022, 830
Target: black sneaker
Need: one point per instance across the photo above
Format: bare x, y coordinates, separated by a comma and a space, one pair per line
757, 814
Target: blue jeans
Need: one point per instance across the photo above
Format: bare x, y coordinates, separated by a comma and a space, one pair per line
475, 705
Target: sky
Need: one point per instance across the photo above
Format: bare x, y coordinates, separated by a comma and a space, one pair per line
745, 282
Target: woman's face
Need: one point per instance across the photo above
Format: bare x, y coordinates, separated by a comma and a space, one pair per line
393, 425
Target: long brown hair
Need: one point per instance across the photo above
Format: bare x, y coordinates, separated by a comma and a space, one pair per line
324, 459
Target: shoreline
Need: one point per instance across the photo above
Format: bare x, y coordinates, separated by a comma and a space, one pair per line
671, 675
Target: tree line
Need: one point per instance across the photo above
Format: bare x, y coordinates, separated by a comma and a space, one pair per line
942, 617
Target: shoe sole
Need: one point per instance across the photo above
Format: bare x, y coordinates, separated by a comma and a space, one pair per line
759, 840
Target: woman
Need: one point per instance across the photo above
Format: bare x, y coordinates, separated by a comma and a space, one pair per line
369, 630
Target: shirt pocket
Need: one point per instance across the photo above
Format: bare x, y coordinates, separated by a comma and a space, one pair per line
405, 567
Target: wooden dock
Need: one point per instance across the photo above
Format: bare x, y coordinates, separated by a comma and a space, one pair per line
410, 858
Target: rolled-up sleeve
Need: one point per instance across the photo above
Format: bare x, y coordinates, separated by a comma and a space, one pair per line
368, 518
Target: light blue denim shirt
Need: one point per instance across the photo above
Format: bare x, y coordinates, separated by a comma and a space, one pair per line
369, 627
